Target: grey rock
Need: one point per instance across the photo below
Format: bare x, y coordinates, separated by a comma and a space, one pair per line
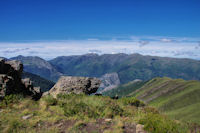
37, 89
27, 82
109, 81
108, 120
77, 85
27, 116
140, 128
16, 65
1, 110
45, 93
10, 67
6, 85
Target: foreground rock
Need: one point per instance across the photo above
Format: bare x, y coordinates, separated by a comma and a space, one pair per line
11, 82
77, 85
140, 128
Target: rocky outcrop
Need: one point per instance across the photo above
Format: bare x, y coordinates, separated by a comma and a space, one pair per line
6, 85
11, 82
77, 85
109, 81
28, 84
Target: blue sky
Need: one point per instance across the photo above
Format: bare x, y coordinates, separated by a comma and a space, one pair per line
79, 19
41, 22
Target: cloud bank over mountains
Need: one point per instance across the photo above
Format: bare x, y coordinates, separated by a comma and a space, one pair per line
156, 46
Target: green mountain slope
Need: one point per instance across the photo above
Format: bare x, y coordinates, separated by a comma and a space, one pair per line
44, 84
128, 67
125, 89
177, 98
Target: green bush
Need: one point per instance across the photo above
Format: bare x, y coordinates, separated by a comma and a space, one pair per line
81, 109
69, 96
148, 109
10, 99
132, 101
156, 123
15, 126
112, 111
50, 100
91, 107
116, 109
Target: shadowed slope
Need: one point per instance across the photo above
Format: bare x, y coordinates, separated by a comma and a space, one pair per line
39, 66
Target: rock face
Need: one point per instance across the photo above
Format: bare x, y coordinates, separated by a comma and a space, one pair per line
6, 85
109, 81
28, 84
77, 85
11, 82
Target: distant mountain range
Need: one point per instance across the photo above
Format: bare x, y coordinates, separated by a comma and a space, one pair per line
128, 67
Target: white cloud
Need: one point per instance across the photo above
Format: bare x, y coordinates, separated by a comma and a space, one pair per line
179, 47
166, 40
95, 51
93, 39
143, 43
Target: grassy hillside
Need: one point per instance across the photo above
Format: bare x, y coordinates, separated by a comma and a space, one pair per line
81, 113
129, 67
125, 89
177, 98
38, 81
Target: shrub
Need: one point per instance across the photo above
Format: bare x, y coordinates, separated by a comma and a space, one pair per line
81, 109
15, 126
85, 106
71, 110
156, 123
132, 101
50, 101
116, 110
148, 109
10, 99
112, 110
69, 96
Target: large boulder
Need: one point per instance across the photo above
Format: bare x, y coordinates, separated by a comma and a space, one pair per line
77, 85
